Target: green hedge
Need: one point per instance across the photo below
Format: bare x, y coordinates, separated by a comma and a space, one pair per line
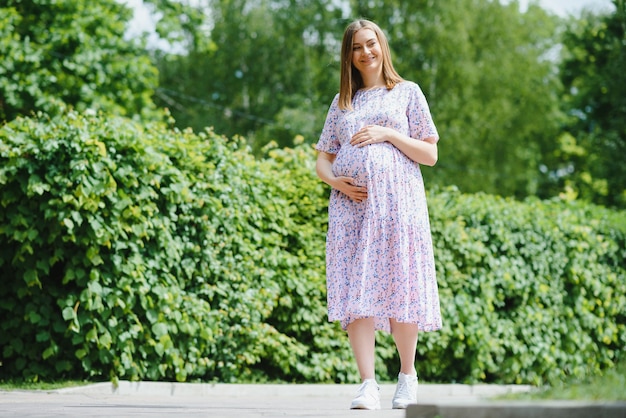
145, 253
532, 291
132, 251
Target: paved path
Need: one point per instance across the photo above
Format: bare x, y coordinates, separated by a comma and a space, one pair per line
160, 399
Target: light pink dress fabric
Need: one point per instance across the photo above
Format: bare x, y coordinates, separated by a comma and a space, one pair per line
379, 253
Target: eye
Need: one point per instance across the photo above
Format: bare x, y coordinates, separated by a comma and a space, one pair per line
356, 48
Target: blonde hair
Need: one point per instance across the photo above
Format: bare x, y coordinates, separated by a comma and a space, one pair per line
351, 79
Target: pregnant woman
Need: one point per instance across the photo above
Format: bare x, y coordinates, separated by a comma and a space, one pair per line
380, 266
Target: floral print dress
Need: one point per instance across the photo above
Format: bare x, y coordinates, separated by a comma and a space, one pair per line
379, 253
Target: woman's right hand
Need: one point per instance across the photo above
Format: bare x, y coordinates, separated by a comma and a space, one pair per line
347, 186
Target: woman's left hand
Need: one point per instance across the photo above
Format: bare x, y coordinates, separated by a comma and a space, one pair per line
370, 134
422, 151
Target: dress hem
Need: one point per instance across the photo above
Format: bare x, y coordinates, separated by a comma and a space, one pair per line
387, 326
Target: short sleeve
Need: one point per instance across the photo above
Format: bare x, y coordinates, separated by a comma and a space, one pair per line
421, 124
329, 140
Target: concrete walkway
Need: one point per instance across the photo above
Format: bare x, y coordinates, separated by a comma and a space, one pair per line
160, 399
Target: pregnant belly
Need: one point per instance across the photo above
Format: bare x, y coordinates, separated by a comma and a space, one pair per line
363, 163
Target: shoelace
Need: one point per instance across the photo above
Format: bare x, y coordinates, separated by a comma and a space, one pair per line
404, 390
363, 388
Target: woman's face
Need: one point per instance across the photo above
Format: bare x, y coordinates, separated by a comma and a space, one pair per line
367, 56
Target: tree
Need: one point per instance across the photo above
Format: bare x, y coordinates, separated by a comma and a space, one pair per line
71, 52
590, 159
263, 73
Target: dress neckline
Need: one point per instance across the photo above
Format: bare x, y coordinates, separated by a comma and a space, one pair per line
374, 88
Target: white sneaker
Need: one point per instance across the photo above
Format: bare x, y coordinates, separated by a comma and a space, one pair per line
368, 396
406, 391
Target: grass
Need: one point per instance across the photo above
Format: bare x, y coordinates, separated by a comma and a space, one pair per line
610, 386
26, 385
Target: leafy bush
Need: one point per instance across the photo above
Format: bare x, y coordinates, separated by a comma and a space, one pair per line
75, 53
532, 291
142, 252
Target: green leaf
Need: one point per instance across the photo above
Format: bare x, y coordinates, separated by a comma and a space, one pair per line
31, 277
159, 329
80, 353
49, 352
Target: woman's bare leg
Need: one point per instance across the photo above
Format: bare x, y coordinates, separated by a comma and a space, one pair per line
363, 342
405, 337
